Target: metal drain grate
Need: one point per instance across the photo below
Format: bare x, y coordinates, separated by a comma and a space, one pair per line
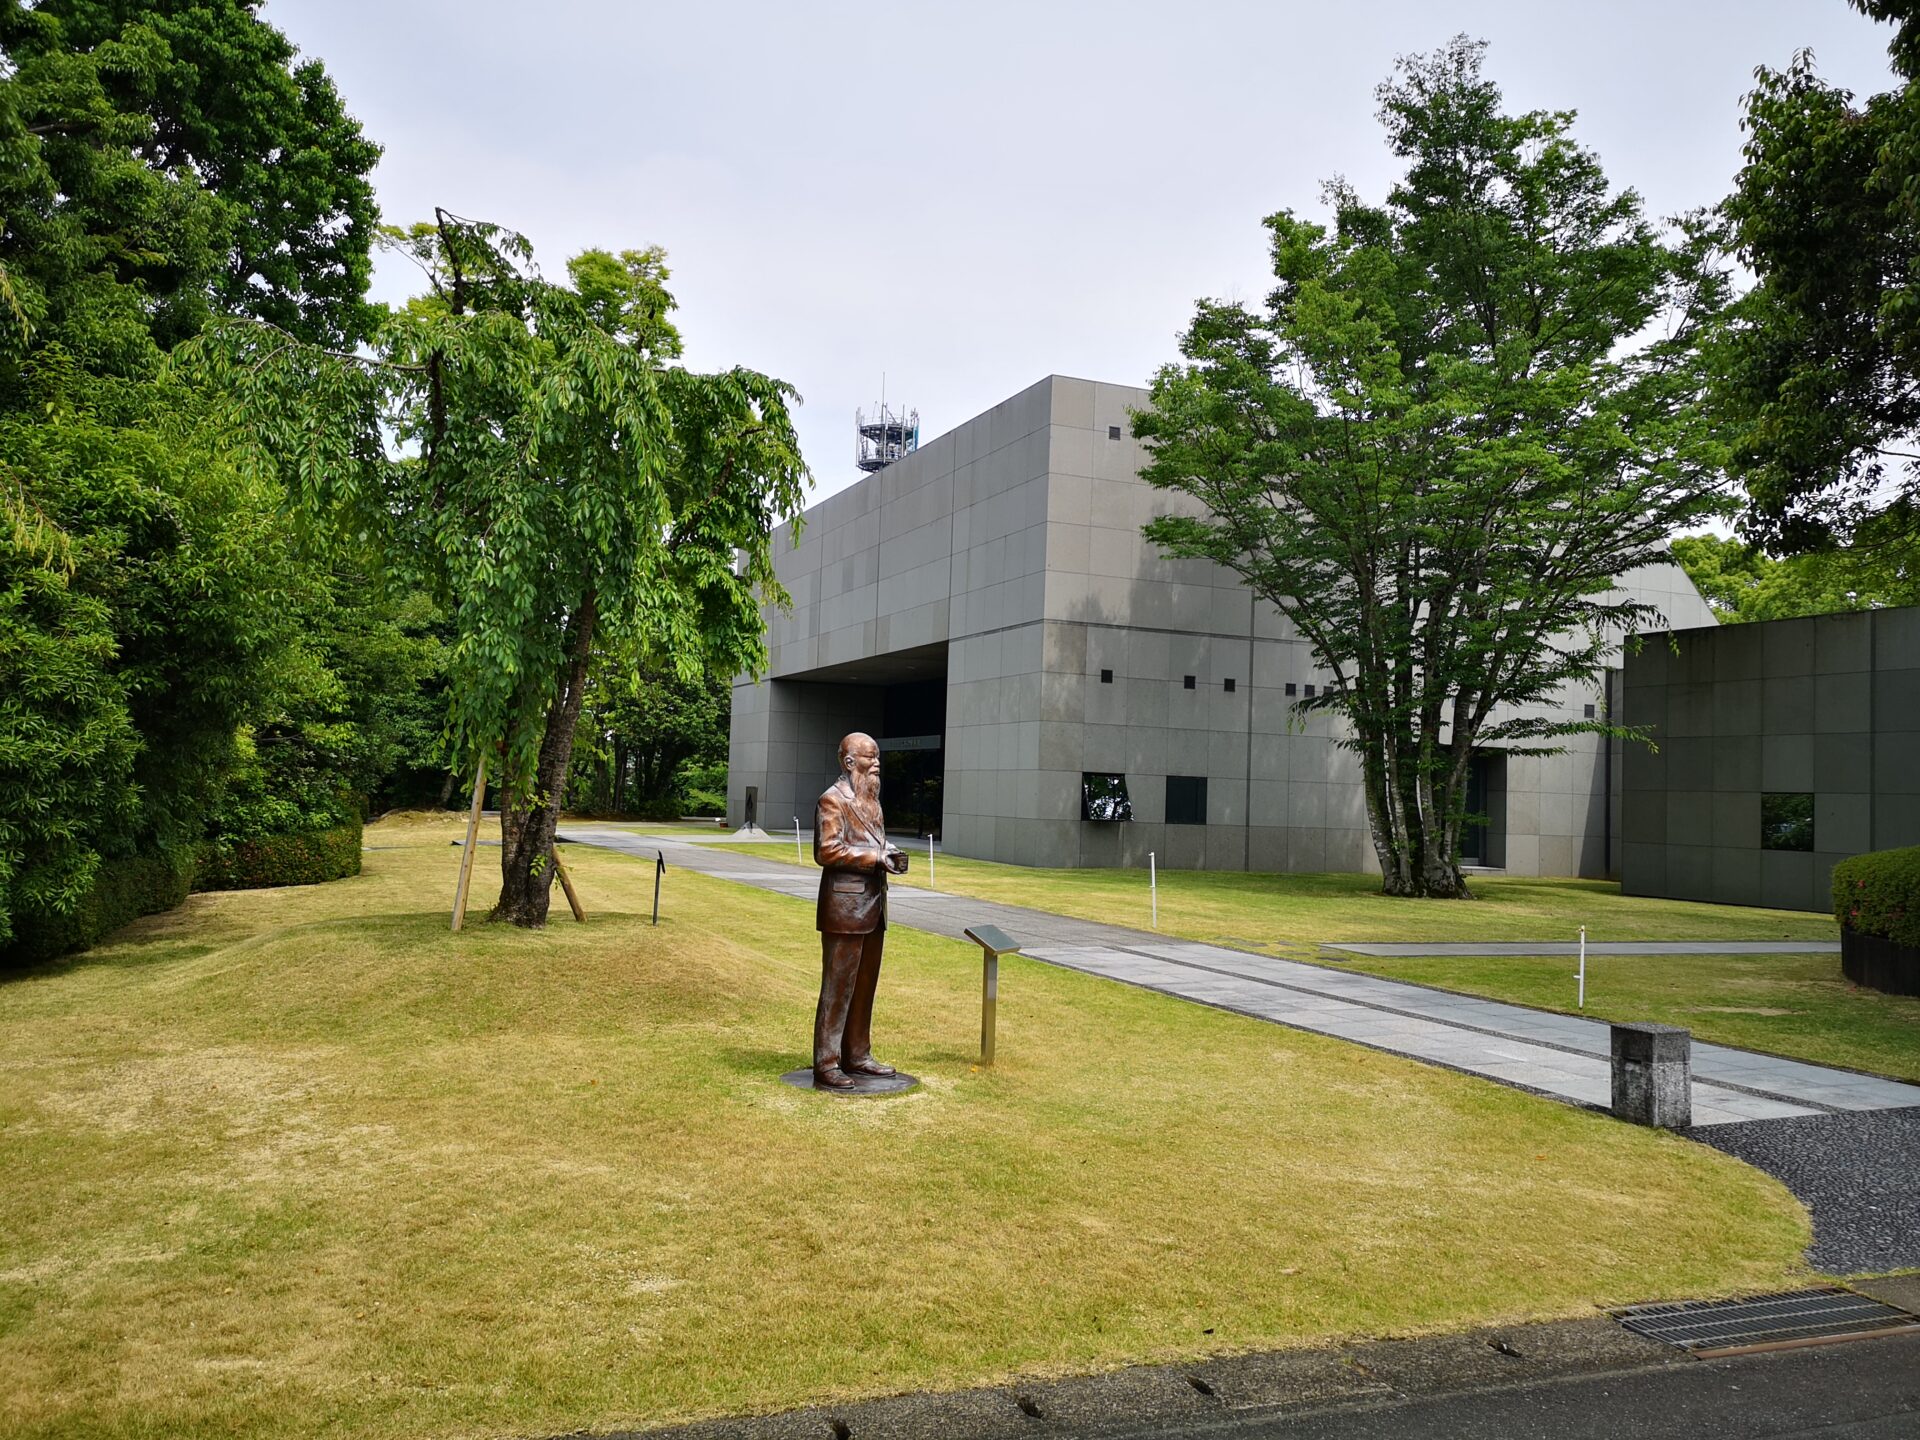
1709, 1328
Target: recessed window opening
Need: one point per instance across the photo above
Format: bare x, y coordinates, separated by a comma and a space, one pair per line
1187, 681
1186, 799
1106, 677
1786, 822
1309, 692
1113, 432
1589, 712
1291, 687
1229, 684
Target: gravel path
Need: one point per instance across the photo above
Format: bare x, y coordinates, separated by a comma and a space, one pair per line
1859, 1173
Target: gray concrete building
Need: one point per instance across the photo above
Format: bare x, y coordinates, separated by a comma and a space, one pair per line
987, 608
1782, 747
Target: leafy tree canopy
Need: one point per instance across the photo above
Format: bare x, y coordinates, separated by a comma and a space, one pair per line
167, 158
568, 495
1742, 582
1820, 362
159, 163
1460, 414
143, 604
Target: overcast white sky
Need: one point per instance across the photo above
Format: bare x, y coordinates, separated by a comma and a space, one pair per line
970, 196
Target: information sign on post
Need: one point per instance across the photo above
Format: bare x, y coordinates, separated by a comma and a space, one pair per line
993, 942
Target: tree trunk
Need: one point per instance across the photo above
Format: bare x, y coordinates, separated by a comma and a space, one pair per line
446, 790
527, 821
1414, 834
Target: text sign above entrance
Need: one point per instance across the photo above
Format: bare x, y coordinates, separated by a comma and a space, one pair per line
909, 742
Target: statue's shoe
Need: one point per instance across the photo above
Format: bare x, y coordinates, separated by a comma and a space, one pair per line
868, 1066
832, 1078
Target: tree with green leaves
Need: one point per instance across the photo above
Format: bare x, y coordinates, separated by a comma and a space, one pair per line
647, 728
142, 609
170, 158
163, 162
1819, 362
1460, 415
569, 495
1742, 582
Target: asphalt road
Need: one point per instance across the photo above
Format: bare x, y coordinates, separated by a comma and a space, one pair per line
1862, 1390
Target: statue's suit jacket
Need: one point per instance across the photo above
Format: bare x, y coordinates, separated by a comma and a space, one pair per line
850, 846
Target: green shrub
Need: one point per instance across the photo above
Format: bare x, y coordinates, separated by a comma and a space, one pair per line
1879, 894
123, 890
265, 860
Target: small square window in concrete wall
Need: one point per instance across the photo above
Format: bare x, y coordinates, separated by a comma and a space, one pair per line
1106, 677
1113, 432
1589, 712
1292, 688
1309, 692
1186, 799
1229, 684
1786, 822
1104, 797
1186, 682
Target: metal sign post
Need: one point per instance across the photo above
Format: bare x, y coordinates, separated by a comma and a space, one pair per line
993, 942
1153, 887
930, 884
659, 869
799, 857
1583, 968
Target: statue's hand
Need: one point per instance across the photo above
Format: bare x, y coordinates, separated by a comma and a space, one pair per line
896, 861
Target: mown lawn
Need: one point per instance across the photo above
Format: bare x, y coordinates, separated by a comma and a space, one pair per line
1797, 1005
1273, 912
301, 1162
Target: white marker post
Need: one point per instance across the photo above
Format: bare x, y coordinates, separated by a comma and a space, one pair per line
1583, 967
930, 884
1153, 887
799, 855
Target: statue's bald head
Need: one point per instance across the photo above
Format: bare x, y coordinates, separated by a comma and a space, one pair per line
860, 763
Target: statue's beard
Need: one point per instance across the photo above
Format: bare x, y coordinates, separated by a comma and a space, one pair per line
866, 787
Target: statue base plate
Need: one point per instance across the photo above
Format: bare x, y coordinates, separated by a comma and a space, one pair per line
863, 1085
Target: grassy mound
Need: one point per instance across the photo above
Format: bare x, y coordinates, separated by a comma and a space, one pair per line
300, 1162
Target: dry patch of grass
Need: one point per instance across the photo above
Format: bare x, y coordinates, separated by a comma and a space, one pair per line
1272, 912
301, 1162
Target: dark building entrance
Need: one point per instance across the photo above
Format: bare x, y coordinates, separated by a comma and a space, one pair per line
1483, 839
913, 755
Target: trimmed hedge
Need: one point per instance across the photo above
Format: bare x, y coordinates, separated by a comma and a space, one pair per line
1879, 894
123, 891
268, 860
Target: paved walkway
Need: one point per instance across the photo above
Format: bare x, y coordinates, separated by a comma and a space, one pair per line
1561, 1056
1599, 947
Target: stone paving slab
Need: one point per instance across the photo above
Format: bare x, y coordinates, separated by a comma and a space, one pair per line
1561, 1056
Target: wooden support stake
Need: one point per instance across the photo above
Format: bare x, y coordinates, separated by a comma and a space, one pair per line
473, 835
566, 884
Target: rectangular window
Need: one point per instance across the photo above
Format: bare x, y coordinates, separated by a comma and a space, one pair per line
1589, 712
1113, 432
1187, 681
1291, 687
1230, 685
1104, 797
1106, 677
1309, 692
1786, 822
1186, 799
